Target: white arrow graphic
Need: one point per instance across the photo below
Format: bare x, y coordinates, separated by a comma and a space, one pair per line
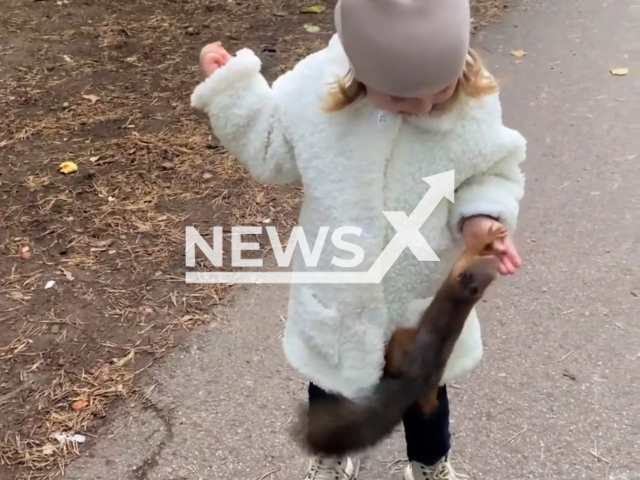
407, 235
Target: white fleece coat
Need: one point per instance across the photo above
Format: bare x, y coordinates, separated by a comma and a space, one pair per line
354, 165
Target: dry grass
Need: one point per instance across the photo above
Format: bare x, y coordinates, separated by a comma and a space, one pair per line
484, 12
106, 84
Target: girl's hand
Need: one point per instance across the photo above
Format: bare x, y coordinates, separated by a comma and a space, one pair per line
475, 227
213, 57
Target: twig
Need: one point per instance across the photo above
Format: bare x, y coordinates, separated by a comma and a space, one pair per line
517, 435
566, 356
268, 474
596, 455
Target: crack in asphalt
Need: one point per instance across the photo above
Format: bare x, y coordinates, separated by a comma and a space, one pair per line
151, 462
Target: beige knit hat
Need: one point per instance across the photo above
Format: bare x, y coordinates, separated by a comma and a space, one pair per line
405, 48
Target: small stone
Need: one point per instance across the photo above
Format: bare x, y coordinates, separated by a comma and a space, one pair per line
55, 329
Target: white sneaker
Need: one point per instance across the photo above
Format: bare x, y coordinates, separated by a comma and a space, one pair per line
440, 471
322, 468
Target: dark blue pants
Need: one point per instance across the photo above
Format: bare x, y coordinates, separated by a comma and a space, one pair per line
428, 437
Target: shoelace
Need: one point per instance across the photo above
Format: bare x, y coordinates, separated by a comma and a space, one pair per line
441, 471
446, 472
324, 467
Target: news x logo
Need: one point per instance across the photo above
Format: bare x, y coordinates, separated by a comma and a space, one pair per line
407, 236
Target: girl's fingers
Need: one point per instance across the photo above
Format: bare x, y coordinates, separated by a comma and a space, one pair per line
514, 258
500, 246
213, 61
509, 259
506, 267
222, 58
511, 254
214, 56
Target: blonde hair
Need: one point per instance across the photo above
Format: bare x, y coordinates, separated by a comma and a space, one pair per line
474, 82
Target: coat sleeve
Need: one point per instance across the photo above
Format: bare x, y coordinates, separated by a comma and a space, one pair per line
243, 112
498, 190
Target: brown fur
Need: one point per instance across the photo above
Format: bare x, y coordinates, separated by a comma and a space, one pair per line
403, 338
415, 360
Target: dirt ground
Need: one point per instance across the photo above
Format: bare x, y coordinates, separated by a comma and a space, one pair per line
106, 84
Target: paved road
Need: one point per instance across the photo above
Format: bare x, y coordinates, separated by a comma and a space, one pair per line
558, 394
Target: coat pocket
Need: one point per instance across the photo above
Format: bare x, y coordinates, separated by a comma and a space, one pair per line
317, 324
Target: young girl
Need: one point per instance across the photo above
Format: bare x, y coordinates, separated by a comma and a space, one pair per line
396, 96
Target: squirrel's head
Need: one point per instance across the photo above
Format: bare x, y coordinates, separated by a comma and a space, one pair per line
478, 266
471, 283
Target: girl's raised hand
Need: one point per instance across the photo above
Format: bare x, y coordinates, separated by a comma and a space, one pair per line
213, 57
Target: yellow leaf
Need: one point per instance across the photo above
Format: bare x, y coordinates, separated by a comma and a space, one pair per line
313, 9
311, 28
67, 168
619, 72
92, 98
518, 53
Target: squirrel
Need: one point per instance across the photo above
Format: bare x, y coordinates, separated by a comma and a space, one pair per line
415, 359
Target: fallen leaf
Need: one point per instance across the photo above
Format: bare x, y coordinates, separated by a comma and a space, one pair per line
92, 98
25, 253
48, 449
311, 28
67, 168
79, 405
518, 53
313, 9
67, 274
619, 72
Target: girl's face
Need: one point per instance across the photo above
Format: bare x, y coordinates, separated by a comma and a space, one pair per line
410, 106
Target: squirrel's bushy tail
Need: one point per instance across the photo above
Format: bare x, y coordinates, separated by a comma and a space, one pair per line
336, 426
